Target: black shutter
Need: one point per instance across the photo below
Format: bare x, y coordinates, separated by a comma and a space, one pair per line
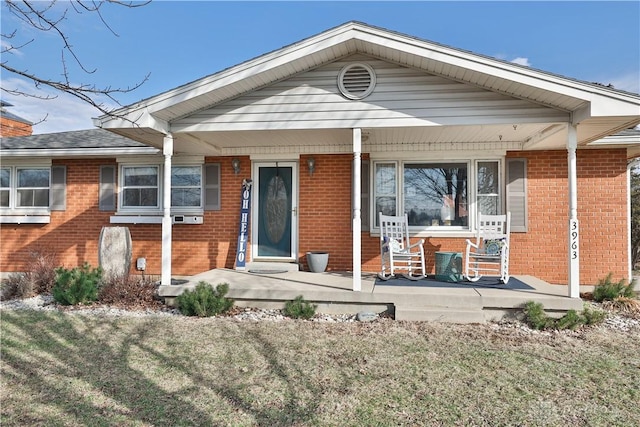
107, 196
58, 188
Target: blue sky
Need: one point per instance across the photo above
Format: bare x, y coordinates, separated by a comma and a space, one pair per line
178, 42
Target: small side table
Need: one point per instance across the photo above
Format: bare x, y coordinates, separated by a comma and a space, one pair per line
449, 266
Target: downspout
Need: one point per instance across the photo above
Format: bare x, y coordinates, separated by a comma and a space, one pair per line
357, 218
167, 151
574, 228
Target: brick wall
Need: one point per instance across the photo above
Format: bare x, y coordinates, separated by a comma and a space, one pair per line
325, 209
324, 215
73, 234
9, 127
602, 213
542, 251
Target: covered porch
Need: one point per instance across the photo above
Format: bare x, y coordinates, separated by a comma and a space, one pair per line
424, 300
360, 120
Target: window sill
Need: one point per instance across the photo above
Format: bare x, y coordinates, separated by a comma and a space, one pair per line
25, 219
464, 234
156, 219
135, 219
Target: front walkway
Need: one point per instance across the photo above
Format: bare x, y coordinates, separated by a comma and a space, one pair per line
406, 300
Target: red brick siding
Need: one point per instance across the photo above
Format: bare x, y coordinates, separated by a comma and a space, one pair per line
10, 127
73, 234
602, 213
324, 214
325, 209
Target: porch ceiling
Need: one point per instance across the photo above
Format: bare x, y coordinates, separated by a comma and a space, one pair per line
531, 136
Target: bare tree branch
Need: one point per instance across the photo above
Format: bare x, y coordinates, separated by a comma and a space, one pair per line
44, 18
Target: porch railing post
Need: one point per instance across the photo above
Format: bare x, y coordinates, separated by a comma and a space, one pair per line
574, 228
357, 219
167, 150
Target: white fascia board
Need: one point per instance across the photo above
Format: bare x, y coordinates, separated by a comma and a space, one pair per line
132, 118
617, 140
515, 73
79, 152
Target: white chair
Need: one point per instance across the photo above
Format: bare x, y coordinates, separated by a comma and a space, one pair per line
489, 254
397, 252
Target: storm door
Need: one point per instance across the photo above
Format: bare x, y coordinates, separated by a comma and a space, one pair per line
275, 211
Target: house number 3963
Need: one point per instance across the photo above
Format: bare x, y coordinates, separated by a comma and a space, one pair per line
573, 239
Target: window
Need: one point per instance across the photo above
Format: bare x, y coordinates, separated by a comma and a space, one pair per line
385, 189
5, 187
444, 195
29, 193
140, 187
435, 194
186, 186
32, 187
488, 185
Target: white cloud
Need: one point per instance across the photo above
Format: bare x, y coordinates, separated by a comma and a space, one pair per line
517, 60
63, 113
9, 49
521, 61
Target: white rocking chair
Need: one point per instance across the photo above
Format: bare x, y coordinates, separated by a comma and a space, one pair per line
396, 251
489, 254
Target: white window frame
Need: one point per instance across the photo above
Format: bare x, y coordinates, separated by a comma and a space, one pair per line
183, 161
121, 189
7, 189
501, 184
200, 206
13, 208
472, 196
17, 187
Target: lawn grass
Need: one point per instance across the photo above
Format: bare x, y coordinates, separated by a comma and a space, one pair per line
71, 370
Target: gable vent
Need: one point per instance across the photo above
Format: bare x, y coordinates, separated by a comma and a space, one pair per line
356, 81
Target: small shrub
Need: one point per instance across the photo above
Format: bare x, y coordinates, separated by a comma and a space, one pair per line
42, 270
571, 320
38, 278
608, 290
128, 291
17, 285
299, 308
76, 286
593, 317
204, 301
536, 318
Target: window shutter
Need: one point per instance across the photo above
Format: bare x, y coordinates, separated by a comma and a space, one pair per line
517, 193
58, 188
107, 196
212, 187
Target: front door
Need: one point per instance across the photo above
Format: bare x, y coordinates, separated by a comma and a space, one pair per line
275, 212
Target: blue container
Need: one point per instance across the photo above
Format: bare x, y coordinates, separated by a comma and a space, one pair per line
449, 266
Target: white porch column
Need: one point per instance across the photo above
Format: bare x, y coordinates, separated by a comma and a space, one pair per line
357, 218
574, 228
167, 150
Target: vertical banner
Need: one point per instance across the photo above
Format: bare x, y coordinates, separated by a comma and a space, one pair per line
243, 232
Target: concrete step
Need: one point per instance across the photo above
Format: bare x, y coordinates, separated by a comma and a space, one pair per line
266, 267
439, 314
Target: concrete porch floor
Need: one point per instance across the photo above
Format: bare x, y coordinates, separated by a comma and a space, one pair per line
332, 292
